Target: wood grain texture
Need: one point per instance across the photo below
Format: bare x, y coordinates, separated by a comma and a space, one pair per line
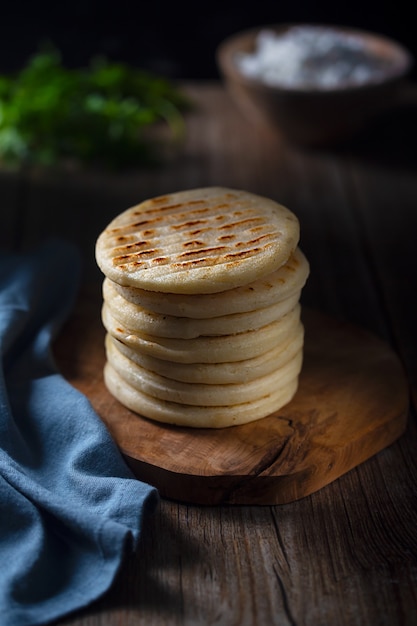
347, 554
351, 403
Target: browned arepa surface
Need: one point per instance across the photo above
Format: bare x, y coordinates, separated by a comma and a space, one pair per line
197, 241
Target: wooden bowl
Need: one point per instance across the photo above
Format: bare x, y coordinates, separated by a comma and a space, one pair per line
314, 116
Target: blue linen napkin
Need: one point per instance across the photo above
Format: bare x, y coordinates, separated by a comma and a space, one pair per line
69, 505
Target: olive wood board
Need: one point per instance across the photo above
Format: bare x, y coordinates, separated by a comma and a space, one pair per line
352, 402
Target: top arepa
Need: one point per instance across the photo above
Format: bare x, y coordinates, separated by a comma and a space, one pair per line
197, 241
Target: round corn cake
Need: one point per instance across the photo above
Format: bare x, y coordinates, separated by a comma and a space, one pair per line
179, 414
140, 320
198, 241
290, 278
215, 373
218, 349
198, 394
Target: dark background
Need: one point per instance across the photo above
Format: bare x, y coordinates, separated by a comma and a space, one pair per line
176, 39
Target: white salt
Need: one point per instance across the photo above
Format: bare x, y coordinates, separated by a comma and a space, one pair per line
312, 57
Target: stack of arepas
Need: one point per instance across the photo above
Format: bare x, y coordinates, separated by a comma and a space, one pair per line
201, 307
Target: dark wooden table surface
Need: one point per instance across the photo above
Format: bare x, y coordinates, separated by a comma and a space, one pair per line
347, 554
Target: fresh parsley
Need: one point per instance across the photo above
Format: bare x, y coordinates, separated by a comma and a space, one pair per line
101, 115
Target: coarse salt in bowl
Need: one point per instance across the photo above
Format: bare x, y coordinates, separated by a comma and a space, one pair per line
316, 83
313, 57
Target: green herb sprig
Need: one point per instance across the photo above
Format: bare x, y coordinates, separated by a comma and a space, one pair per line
97, 115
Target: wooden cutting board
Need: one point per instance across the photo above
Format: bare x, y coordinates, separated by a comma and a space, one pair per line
352, 402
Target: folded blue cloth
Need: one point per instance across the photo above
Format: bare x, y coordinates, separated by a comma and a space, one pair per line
69, 505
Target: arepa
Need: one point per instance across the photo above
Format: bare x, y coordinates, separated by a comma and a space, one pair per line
288, 279
201, 304
198, 241
198, 394
215, 373
142, 321
179, 414
218, 349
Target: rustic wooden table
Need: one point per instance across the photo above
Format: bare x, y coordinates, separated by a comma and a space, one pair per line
347, 554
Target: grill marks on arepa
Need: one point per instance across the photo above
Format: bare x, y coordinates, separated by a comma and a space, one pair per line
215, 223
201, 307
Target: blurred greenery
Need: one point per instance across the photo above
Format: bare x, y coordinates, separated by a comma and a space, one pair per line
99, 115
